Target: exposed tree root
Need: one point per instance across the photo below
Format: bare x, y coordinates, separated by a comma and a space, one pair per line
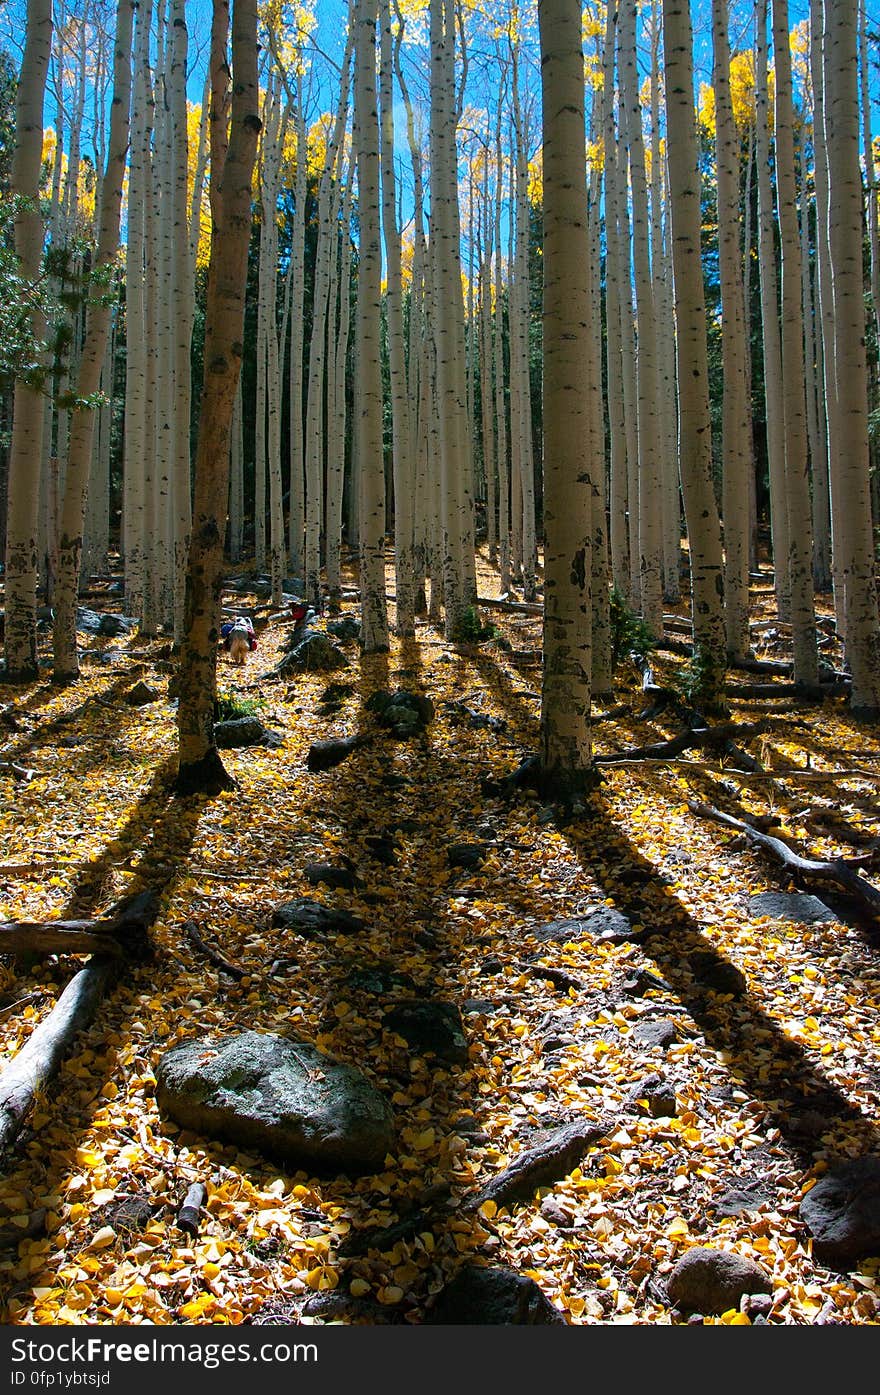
191, 931
719, 736
840, 872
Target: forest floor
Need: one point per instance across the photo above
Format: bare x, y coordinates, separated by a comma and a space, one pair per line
772, 1084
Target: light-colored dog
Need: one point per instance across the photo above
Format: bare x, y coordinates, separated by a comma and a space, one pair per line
239, 643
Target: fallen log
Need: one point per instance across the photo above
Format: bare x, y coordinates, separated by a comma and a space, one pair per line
40, 1057
839, 871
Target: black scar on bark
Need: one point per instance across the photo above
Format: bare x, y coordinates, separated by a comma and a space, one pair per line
579, 568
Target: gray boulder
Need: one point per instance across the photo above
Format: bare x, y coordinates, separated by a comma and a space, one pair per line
786, 905
238, 731
282, 1098
713, 1281
842, 1213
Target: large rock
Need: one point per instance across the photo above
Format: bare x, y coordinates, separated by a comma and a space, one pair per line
787, 905
842, 1213
605, 923
283, 1098
238, 731
713, 1281
313, 652
482, 1297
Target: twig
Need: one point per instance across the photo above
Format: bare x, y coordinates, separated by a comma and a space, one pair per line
212, 955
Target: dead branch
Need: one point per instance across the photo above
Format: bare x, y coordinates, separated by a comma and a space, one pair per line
40, 1057
10, 1009
212, 955
190, 1212
717, 736
837, 870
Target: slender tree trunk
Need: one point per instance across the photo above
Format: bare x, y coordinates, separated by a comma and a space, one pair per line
374, 615
649, 439
26, 449
694, 423
401, 430
569, 458
851, 459
200, 768
800, 541
735, 424
66, 663
771, 341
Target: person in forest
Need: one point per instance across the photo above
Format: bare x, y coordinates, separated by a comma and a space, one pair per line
239, 639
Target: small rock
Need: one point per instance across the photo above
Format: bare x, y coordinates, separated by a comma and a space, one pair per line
313, 652
717, 974
141, 694
345, 629
661, 1033
485, 1297
468, 856
238, 731
654, 1094
427, 1024
553, 1212
309, 918
325, 754
713, 1281
340, 877
739, 1201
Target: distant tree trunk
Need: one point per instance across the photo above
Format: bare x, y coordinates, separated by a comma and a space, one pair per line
694, 422
134, 477
337, 406
504, 566
522, 454
66, 663
401, 428
662, 272
735, 423
314, 437
200, 768
371, 468
618, 537
649, 439
569, 460
296, 506
26, 449
851, 459
800, 540
771, 342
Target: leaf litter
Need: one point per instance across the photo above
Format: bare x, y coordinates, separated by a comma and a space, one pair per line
771, 1084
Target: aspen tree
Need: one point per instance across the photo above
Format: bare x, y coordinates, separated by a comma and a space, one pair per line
618, 538
694, 423
134, 483
401, 430
368, 423
200, 768
314, 431
850, 459
569, 457
800, 542
26, 448
770, 333
735, 423
648, 421
97, 328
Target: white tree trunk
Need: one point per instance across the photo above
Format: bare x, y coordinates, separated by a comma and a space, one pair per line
26, 448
